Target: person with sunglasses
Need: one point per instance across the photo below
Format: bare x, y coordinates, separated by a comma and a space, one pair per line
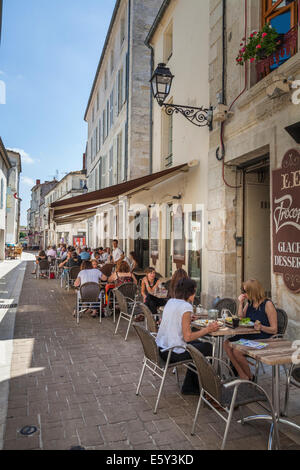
253, 304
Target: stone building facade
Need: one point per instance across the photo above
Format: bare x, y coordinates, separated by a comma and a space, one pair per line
257, 134
71, 185
118, 112
13, 201
35, 216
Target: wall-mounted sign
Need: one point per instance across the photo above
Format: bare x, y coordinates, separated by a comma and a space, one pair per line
286, 220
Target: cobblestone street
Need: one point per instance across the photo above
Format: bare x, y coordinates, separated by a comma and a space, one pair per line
77, 385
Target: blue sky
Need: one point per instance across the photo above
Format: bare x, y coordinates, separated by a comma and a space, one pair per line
48, 58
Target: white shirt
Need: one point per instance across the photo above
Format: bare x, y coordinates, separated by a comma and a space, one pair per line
89, 275
104, 257
170, 331
116, 254
51, 252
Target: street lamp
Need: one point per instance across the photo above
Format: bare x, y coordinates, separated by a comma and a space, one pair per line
161, 83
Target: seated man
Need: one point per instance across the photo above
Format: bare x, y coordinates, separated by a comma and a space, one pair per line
84, 255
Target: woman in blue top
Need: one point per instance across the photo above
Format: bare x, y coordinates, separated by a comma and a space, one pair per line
262, 312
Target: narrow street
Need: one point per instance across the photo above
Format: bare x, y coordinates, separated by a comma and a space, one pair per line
76, 384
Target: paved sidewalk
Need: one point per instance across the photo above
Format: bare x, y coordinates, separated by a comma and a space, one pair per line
77, 386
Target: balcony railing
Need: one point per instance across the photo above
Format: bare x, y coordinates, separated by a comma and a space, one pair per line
286, 49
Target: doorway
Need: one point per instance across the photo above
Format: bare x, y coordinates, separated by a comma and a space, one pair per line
257, 230
141, 238
169, 236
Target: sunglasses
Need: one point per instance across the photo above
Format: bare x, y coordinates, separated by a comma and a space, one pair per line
243, 290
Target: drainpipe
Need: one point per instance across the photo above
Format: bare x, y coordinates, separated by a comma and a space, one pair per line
151, 109
127, 91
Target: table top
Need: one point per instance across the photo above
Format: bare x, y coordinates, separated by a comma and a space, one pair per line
278, 352
227, 331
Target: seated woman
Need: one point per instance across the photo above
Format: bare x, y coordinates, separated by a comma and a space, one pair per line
150, 283
41, 256
95, 263
71, 260
177, 276
88, 274
175, 330
122, 274
262, 312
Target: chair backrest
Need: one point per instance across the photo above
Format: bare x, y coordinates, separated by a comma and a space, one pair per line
121, 300
282, 321
128, 289
44, 264
150, 347
73, 272
107, 269
151, 325
89, 292
208, 378
228, 303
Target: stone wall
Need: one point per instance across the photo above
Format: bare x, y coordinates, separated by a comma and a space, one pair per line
256, 127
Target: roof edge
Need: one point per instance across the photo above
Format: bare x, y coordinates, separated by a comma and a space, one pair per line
165, 5
4, 155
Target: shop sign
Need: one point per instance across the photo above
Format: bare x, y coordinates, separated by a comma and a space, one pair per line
286, 220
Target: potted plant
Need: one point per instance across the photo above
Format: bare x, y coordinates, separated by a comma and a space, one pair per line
259, 45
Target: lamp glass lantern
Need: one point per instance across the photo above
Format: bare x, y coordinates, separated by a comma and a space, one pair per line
161, 83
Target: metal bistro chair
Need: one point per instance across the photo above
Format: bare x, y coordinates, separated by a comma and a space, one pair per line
72, 275
282, 323
88, 297
294, 379
43, 267
129, 290
230, 395
154, 362
228, 303
127, 307
150, 323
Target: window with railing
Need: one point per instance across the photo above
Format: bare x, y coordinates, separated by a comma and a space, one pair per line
282, 15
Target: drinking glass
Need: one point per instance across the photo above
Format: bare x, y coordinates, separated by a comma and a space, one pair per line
225, 312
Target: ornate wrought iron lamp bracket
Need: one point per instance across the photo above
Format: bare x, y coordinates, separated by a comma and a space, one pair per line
200, 117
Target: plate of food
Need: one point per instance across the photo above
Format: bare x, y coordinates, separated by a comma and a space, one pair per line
204, 323
245, 322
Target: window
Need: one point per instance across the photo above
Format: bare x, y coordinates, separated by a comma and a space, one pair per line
104, 125
112, 61
110, 167
120, 89
122, 31
98, 101
168, 43
93, 114
105, 79
100, 135
111, 110
282, 15
167, 144
104, 172
107, 117
81, 183
120, 156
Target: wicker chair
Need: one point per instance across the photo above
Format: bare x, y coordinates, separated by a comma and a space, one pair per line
128, 289
149, 320
72, 275
227, 303
230, 395
154, 362
43, 267
127, 309
88, 297
293, 378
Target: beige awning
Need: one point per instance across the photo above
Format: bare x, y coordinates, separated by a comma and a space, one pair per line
82, 207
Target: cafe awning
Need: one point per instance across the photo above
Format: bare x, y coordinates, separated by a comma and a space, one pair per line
82, 207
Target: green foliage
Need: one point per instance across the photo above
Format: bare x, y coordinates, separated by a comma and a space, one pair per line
260, 44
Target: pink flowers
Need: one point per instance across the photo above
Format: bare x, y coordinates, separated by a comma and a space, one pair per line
252, 59
264, 35
258, 46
